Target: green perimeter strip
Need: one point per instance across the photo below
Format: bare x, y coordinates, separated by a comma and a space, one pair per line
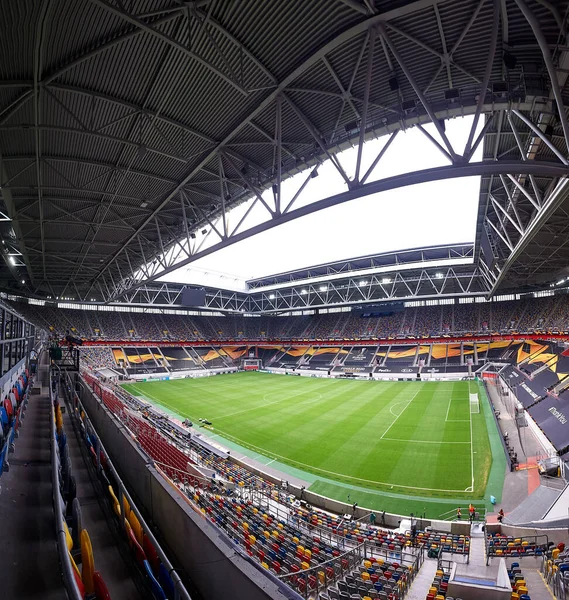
390, 503
366, 498
497, 473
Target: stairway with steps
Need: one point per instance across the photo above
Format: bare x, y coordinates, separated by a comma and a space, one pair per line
538, 590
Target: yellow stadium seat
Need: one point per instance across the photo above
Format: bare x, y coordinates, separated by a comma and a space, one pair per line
68, 538
136, 527
433, 590
555, 553
264, 564
126, 507
321, 577
365, 575
252, 539
87, 562
367, 564
305, 565
74, 565
115, 501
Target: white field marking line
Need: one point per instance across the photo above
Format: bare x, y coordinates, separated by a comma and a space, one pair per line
421, 441
264, 452
290, 460
238, 412
471, 445
397, 417
397, 404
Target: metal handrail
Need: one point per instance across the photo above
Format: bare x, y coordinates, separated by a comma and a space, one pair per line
180, 591
64, 559
360, 552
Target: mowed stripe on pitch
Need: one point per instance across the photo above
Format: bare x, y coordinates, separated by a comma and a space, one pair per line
335, 426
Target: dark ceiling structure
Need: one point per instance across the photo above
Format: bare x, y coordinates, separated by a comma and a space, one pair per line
129, 129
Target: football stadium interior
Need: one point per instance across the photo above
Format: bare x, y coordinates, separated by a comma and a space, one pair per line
284, 299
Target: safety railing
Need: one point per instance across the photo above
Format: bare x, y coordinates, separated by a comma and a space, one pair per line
510, 546
64, 558
310, 582
556, 575
124, 498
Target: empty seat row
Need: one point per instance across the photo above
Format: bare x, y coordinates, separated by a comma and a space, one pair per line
89, 582
503, 545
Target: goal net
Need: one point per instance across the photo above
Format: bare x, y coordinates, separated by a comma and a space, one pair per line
474, 403
251, 364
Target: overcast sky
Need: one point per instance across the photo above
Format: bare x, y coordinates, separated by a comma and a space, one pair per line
422, 215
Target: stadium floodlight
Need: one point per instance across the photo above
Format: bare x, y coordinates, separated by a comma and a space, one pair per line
560, 282
386, 280
272, 297
23, 281
303, 292
323, 288
439, 275
12, 260
363, 282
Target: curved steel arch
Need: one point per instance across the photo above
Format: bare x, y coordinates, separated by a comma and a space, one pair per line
375, 187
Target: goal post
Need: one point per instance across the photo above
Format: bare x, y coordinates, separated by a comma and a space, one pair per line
251, 364
474, 403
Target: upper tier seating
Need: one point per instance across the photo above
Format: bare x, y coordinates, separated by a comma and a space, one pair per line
523, 316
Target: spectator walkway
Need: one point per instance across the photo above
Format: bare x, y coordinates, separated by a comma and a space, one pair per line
30, 563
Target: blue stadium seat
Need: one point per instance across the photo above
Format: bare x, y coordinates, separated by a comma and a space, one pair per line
157, 591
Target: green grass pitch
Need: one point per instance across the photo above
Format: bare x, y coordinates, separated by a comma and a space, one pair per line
408, 438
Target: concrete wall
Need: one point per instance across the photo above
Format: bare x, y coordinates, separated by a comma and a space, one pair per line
213, 562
